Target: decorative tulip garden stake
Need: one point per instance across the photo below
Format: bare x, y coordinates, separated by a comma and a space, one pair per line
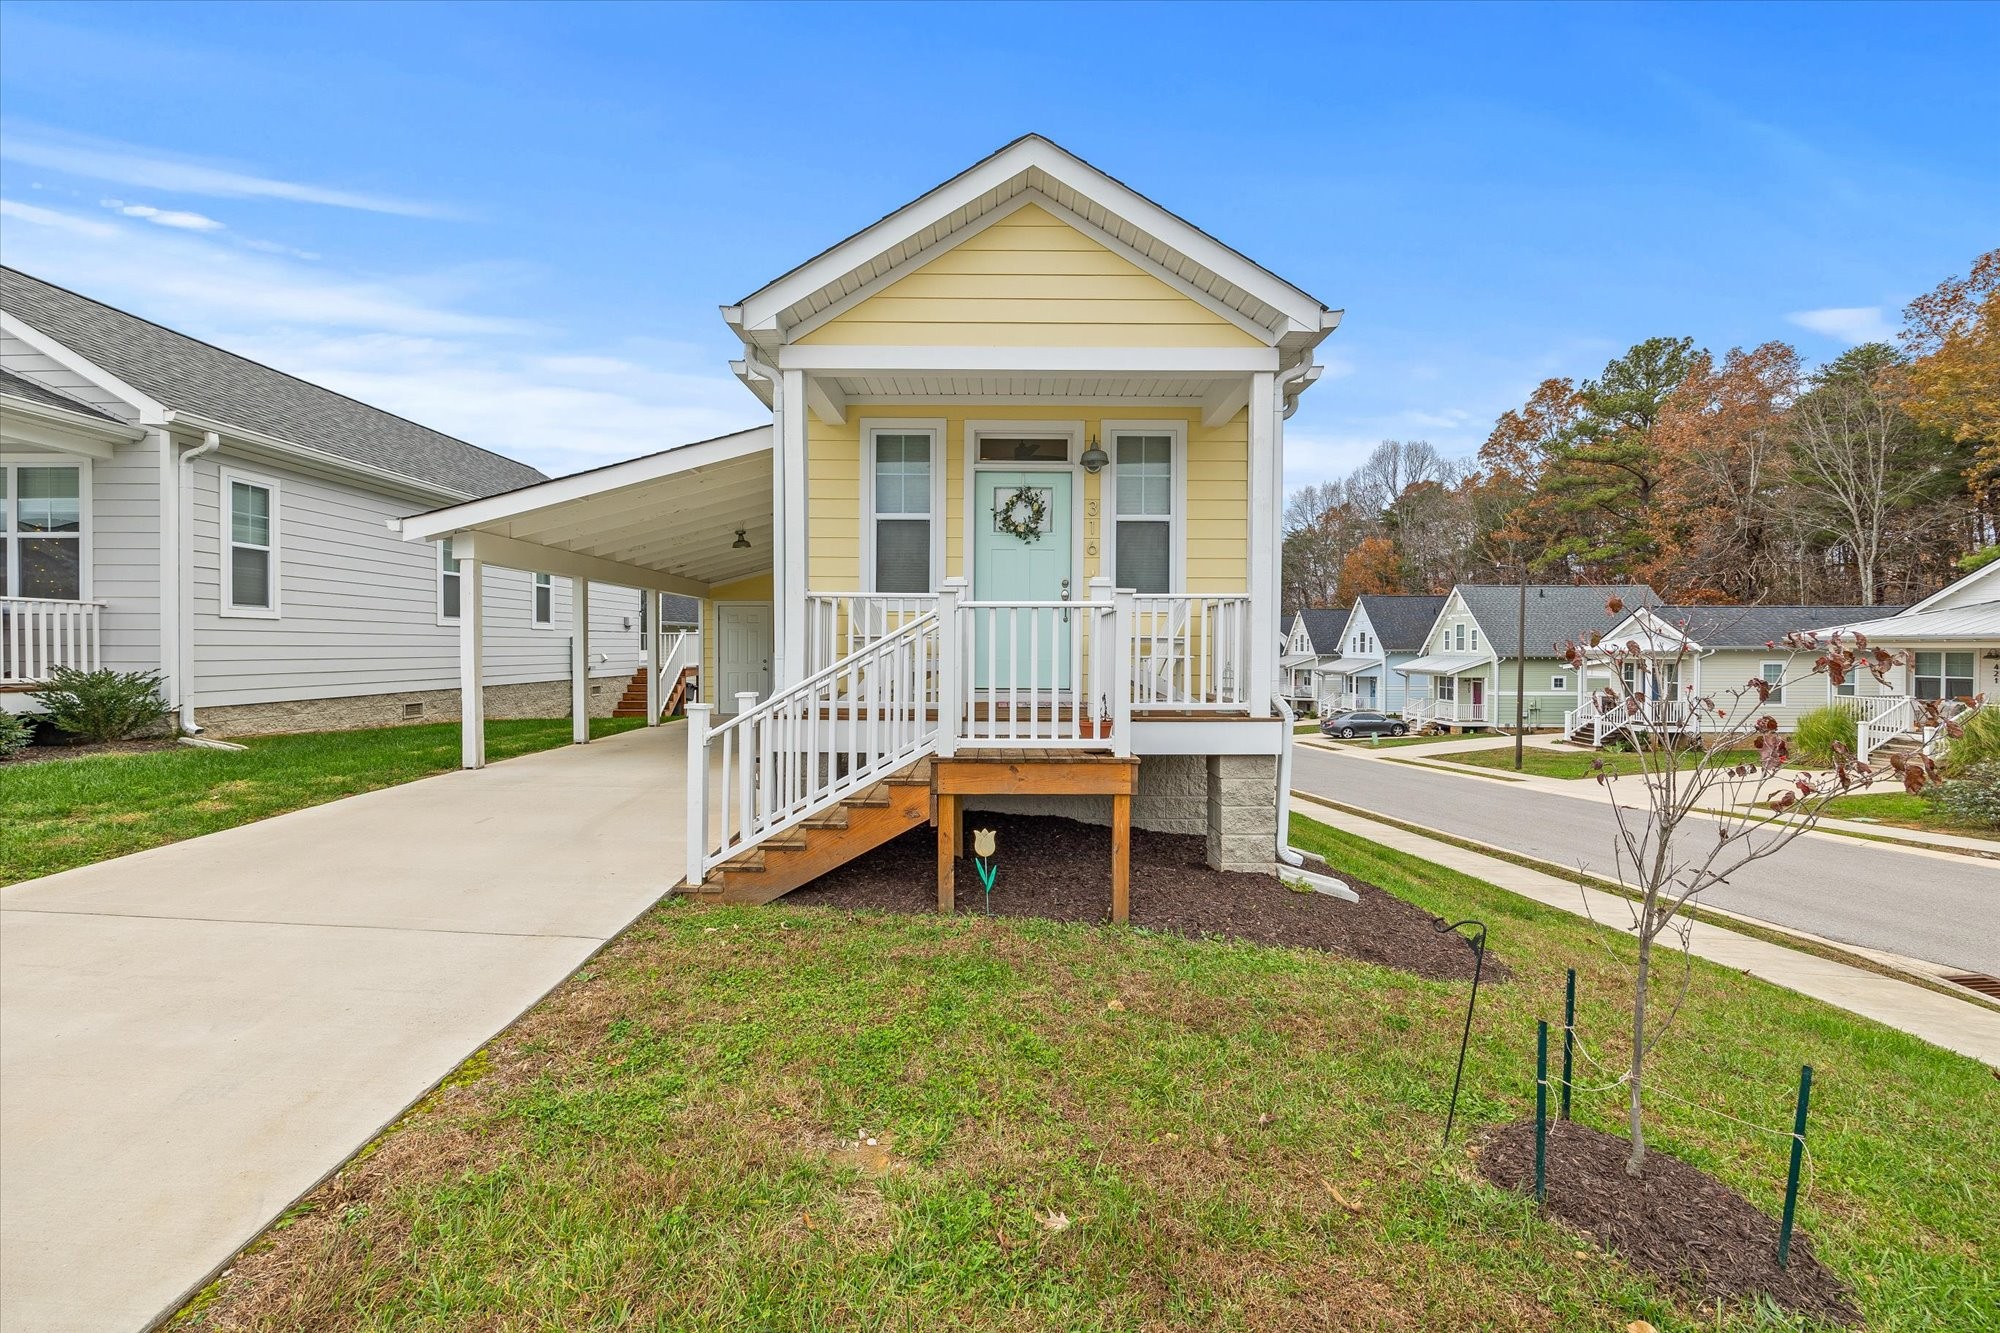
982, 848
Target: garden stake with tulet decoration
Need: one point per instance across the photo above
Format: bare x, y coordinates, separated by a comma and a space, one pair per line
982, 848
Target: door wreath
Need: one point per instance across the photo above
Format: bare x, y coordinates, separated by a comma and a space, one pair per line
1022, 514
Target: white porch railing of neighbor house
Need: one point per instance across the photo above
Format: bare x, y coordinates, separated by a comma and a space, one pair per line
38, 634
1883, 718
1597, 719
1423, 710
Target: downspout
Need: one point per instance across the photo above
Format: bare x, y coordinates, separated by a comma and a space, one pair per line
184, 627
1284, 405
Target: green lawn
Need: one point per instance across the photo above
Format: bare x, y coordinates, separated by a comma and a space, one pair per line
72, 812
1904, 810
1547, 763
1088, 1127
1385, 742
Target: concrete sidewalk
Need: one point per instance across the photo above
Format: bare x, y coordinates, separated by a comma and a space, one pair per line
193, 1036
1965, 1026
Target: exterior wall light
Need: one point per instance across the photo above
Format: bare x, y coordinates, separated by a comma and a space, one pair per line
1094, 458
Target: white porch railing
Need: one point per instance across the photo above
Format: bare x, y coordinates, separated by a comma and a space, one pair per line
1423, 710
839, 624
1190, 651
1022, 677
37, 634
778, 763
1883, 718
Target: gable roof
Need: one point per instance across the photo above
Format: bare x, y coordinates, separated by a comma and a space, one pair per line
1400, 621
1056, 178
187, 375
19, 386
1325, 625
1557, 612
1755, 626
1965, 591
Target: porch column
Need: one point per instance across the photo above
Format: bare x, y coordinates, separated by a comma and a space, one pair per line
579, 661
655, 692
1263, 516
472, 662
791, 536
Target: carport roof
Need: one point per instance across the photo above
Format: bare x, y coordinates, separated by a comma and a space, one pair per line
667, 520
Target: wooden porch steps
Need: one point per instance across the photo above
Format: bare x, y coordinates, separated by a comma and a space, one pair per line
633, 703
830, 839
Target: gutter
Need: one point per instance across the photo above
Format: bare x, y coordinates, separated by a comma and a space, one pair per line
208, 426
184, 584
1291, 861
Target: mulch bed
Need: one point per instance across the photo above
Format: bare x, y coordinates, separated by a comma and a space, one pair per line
1676, 1222
1061, 869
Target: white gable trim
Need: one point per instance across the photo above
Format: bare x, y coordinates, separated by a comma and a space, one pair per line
1953, 589
759, 311
151, 411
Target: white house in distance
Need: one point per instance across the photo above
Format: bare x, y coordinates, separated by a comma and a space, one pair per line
1713, 652
1953, 639
1312, 641
1466, 678
169, 506
1384, 633
1011, 538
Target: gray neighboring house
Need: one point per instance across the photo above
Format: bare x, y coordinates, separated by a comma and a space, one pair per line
167, 505
1384, 633
1466, 678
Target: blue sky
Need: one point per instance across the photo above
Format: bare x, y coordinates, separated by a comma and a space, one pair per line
516, 223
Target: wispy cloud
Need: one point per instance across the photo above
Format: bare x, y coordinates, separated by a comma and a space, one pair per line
1852, 325
164, 217
127, 164
408, 343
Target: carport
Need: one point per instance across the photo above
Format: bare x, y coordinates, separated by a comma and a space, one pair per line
682, 521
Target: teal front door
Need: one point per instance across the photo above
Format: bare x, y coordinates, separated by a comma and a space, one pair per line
1022, 649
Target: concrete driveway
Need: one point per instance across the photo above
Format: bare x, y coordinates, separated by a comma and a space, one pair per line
192, 1037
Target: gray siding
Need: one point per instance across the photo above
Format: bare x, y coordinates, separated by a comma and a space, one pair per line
359, 605
125, 553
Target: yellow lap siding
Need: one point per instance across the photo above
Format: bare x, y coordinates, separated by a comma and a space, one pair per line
1031, 280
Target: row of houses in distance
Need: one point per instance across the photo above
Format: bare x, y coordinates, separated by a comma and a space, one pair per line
1453, 661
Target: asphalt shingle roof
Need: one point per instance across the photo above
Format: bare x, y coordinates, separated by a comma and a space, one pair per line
1401, 620
190, 376
1557, 612
21, 387
1755, 626
1325, 625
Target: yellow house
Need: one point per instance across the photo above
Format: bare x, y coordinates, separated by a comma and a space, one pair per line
1012, 535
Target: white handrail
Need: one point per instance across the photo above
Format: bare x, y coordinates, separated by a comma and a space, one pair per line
839, 624
38, 634
1881, 722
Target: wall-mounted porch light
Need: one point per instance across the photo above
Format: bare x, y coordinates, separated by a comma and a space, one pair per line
1094, 458
742, 543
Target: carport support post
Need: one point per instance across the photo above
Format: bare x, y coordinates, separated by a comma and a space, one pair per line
697, 790
579, 661
653, 689
472, 662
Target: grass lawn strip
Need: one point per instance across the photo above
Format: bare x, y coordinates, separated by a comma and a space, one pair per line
1083, 1127
1903, 810
1546, 763
71, 813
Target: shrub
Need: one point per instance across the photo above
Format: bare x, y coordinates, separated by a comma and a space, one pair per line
1973, 797
1979, 745
14, 735
98, 706
1823, 728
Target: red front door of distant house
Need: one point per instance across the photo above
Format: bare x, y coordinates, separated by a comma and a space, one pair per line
1478, 699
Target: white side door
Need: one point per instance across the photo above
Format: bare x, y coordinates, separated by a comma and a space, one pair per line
743, 651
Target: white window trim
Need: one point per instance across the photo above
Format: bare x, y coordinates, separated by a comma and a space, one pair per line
534, 582
228, 477
1776, 698
1107, 490
1558, 682
438, 575
968, 534
871, 427
85, 528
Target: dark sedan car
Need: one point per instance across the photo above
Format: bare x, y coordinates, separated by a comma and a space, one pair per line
1363, 724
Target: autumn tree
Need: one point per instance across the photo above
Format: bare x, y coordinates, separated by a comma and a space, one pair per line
1952, 336
1371, 569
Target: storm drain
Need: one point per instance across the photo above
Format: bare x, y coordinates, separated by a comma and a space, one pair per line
1985, 985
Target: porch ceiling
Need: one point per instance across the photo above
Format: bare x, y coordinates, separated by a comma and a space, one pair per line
667, 520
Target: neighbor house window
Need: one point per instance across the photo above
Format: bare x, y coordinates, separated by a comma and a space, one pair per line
250, 560
1447, 688
1558, 682
542, 610
41, 522
1461, 638
1774, 672
1144, 495
448, 581
900, 518
1943, 675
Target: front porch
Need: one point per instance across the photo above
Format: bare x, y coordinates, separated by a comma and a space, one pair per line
1449, 690
40, 634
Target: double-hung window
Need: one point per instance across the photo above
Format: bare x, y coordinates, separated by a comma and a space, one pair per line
449, 578
1145, 498
250, 557
1774, 674
542, 603
41, 532
900, 520
1943, 675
